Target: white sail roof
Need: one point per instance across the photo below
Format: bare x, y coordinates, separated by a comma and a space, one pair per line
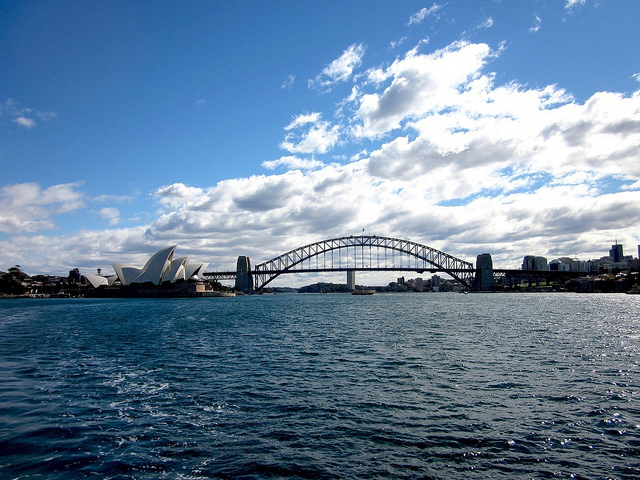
175, 271
97, 280
158, 264
194, 269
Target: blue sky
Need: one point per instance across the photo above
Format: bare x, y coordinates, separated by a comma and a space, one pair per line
255, 127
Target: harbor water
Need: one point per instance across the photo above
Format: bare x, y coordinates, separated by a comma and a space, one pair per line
408, 386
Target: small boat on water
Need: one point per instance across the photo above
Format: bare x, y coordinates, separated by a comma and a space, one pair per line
362, 292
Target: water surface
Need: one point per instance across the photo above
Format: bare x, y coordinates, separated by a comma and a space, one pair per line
409, 386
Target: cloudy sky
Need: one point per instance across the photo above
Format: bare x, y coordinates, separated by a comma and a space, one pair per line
251, 128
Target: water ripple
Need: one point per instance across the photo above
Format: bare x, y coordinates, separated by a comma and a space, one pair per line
318, 386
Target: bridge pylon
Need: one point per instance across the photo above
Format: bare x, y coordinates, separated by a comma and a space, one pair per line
244, 279
484, 272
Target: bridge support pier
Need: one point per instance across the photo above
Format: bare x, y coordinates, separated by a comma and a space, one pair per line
244, 280
484, 272
351, 279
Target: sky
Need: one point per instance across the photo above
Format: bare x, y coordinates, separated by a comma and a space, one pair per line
252, 128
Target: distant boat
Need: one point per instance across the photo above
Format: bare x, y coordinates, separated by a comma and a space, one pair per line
362, 292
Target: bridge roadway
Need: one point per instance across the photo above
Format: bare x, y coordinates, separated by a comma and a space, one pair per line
497, 272
275, 272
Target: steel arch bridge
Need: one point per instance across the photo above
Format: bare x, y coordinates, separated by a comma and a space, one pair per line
362, 253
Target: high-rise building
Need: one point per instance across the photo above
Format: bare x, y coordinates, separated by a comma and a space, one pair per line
616, 253
531, 262
527, 262
540, 263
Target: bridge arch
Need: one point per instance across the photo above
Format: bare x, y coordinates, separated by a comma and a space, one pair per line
425, 259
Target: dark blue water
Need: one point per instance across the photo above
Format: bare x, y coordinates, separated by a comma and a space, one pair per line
409, 386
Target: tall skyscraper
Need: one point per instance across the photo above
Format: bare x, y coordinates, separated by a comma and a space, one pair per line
616, 253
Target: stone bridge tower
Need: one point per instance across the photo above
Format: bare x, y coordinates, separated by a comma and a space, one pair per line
244, 280
484, 272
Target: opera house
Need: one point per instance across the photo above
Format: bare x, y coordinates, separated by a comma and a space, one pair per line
161, 275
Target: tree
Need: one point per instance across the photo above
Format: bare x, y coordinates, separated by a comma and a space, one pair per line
11, 281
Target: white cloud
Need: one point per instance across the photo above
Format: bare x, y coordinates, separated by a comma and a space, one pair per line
174, 195
419, 16
26, 207
488, 23
112, 214
288, 83
419, 85
319, 137
292, 162
25, 122
570, 4
23, 116
341, 69
304, 119
537, 24
396, 43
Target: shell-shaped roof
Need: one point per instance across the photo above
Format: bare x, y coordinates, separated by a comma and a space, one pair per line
175, 271
194, 269
126, 273
97, 280
158, 264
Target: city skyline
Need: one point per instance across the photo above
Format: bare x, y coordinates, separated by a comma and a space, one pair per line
247, 129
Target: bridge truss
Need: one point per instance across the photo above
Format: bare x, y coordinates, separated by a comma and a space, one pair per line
363, 253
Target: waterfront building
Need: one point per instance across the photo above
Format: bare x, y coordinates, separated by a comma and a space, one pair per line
160, 268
